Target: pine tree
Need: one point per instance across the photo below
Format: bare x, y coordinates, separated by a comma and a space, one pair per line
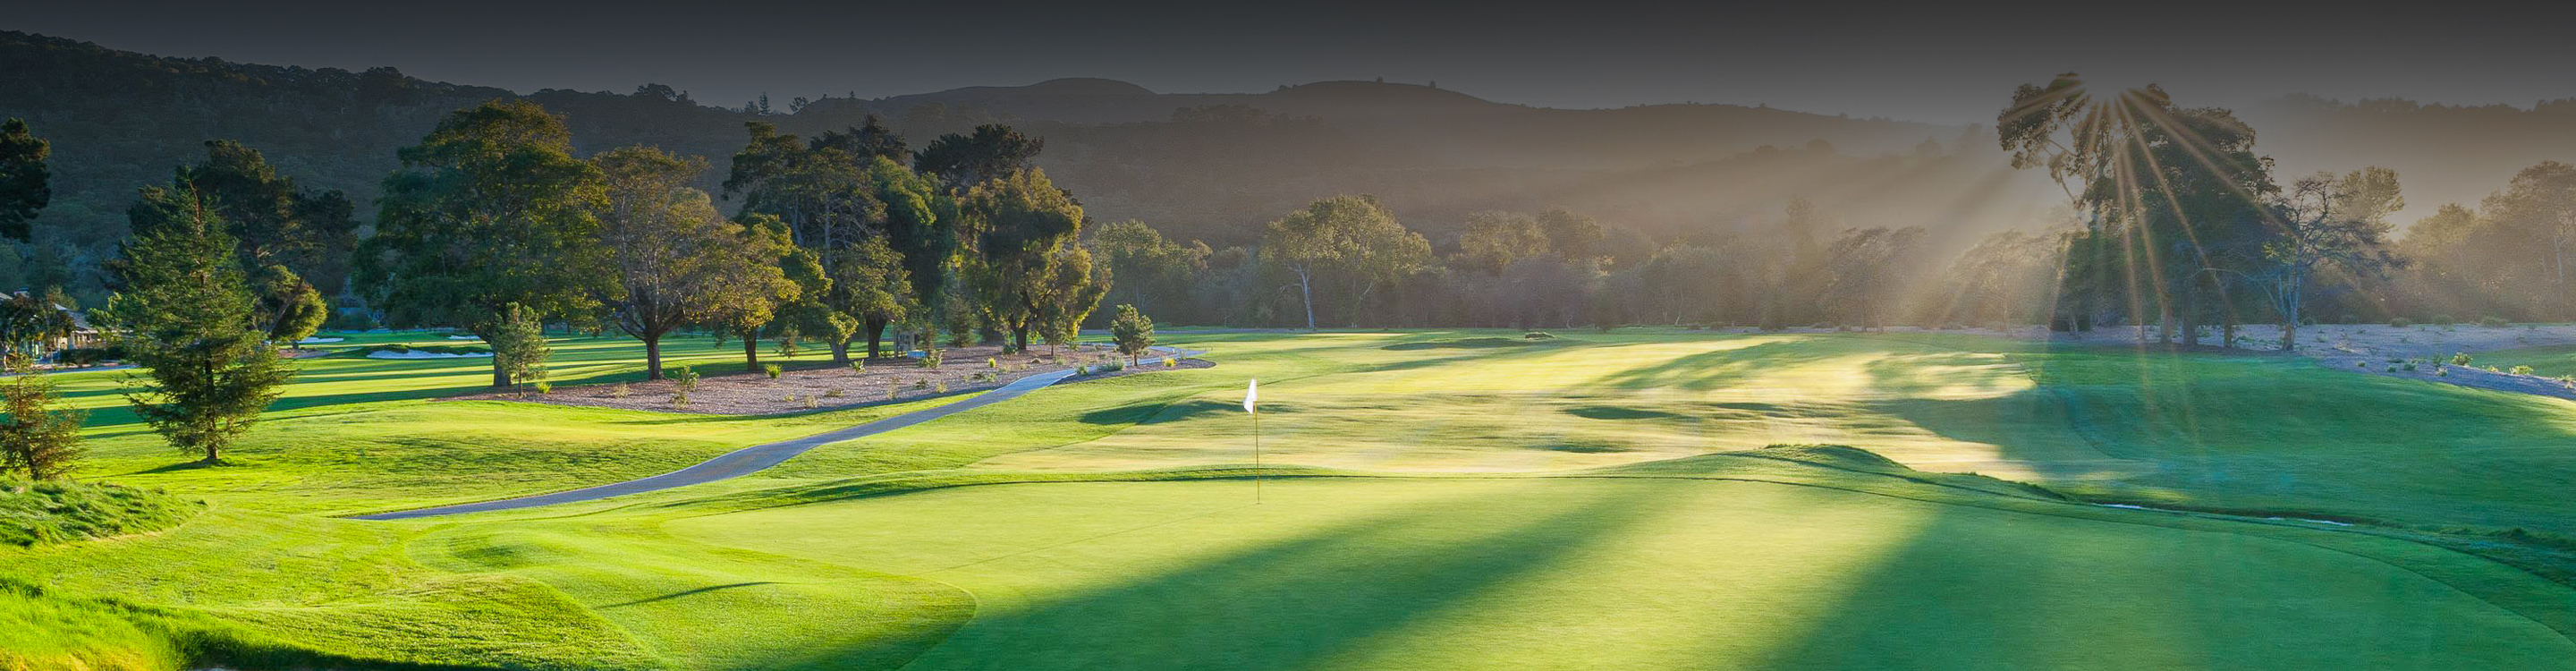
36, 439
187, 312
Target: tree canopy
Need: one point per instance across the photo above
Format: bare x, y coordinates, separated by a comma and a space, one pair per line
490, 209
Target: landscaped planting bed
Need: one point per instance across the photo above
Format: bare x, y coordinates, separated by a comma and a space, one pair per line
728, 389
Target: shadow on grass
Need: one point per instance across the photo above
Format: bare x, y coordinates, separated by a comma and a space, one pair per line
1298, 602
687, 592
1718, 369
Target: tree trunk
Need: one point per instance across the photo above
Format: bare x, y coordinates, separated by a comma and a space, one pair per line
841, 353
652, 357
876, 333
2191, 318
500, 376
1020, 339
1306, 290
751, 349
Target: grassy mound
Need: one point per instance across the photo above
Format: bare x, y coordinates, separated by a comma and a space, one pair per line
34, 513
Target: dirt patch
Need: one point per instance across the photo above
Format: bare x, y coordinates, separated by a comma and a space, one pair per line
808, 386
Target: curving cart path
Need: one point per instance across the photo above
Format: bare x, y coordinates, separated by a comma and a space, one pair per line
753, 459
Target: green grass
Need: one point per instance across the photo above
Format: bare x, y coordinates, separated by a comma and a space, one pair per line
2549, 361
1436, 500
1620, 573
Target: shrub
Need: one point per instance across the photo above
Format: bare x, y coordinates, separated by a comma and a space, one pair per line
993, 363
1538, 335
683, 379
543, 387
931, 358
2444, 320
2401, 322
812, 403
772, 370
859, 366
89, 356
2494, 321
832, 393
2522, 370
787, 342
680, 399
2441, 372
2410, 366
943, 387
2460, 358
890, 392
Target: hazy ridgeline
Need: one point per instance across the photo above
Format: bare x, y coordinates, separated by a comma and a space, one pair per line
1668, 214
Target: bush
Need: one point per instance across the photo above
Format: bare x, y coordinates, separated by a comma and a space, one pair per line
618, 391
931, 358
835, 393
2494, 321
859, 366
772, 370
683, 379
89, 356
2522, 370
943, 387
2401, 322
542, 387
680, 399
2444, 320
2460, 358
812, 403
1538, 335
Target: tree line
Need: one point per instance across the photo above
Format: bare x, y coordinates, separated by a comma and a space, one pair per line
854, 239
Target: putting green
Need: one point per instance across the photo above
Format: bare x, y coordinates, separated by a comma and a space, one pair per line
1618, 573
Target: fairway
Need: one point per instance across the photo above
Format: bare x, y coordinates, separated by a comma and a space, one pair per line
1434, 500
1618, 573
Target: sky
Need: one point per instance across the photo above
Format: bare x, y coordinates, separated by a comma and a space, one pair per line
1922, 61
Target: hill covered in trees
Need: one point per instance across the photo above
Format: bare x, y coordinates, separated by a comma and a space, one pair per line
1212, 166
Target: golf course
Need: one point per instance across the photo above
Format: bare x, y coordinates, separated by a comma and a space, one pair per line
1639, 498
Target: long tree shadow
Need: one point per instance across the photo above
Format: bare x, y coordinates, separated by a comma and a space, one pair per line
1294, 603
1718, 369
1984, 589
2188, 429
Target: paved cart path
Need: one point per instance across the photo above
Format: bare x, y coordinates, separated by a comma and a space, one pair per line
753, 459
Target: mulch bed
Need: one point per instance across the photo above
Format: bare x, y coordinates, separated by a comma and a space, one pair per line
805, 387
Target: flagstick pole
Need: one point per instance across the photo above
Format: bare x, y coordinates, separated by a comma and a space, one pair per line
1256, 458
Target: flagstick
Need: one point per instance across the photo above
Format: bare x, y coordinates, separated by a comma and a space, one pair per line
1256, 458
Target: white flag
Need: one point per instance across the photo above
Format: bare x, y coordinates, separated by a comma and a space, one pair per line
1251, 394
